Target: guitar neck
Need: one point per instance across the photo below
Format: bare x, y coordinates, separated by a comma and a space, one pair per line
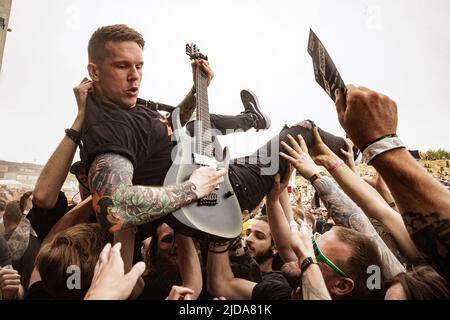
203, 124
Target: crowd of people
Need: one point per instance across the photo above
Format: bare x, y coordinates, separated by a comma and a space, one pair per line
381, 237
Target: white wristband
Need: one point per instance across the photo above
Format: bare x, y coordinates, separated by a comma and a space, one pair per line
294, 225
380, 147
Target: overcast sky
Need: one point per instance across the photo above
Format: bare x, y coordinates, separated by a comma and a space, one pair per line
400, 48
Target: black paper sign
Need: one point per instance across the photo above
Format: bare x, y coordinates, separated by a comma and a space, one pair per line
325, 71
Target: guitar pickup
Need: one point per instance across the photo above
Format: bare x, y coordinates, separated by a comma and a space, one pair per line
210, 200
204, 160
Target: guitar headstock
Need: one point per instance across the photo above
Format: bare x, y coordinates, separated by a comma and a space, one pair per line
194, 52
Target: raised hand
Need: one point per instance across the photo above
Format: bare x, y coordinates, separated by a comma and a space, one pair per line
81, 92
298, 156
110, 281
180, 293
301, 242
204, 64
365, 115
9, 283
278, 185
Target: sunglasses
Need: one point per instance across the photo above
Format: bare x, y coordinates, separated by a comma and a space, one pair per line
320, 257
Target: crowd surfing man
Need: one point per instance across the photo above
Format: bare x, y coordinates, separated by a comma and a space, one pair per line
127, 147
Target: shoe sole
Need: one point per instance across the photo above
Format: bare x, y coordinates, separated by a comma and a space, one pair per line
256, 106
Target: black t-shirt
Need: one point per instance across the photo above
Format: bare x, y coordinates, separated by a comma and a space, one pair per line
5, 256
245, 267
42, 220
139, 134
273, 286
37, 292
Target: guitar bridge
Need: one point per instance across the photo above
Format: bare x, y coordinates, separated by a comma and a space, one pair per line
210, 200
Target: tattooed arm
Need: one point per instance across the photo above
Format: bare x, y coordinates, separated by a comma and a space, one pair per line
413, 188
118, 204
19, 239
342, 209
373, 205
347, 214
423, 202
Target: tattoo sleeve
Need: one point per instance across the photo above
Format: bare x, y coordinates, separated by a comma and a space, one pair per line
187, 107
347, 214
19, 240
431, 234
118, 204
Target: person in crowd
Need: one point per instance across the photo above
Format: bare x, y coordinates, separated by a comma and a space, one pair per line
370, 120
10, 285
118, 153
65, 265
22, 243
109, 281
421, 283
172, 260
221, 281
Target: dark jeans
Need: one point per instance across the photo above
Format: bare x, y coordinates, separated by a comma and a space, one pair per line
252, 177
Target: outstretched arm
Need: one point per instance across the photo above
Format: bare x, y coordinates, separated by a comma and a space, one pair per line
55, 171
189, 265
412, 186
341, 208
313, 283
118, 204
424, 203
279, 225
364, 196
220, 277
346, 213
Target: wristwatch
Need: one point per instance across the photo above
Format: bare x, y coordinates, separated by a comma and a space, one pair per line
306, 263
316, 176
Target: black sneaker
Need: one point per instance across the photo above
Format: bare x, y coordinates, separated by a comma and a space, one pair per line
261, 121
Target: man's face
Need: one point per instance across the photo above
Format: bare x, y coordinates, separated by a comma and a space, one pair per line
335, 250
119, 75
166, 239
259, 241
